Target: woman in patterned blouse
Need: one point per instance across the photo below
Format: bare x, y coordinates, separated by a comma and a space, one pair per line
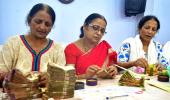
142, 50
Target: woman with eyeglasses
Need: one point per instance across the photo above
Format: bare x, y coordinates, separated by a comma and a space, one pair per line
89, 55
142, 50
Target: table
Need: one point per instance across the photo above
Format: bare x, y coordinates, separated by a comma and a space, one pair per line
150, 93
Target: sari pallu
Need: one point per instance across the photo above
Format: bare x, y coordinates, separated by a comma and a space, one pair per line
101, 55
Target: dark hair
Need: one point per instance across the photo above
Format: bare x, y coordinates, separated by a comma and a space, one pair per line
89, 19
38, 7
147, 18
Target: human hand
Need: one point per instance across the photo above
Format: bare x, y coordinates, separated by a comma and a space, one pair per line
20, 85
92, 70
141, 62
102, 73
112, 71
15, 84
42, 80
159, 67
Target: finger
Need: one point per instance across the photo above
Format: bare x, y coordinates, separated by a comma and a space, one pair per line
113, 74
159, 67
96, 67
7, 90
143, 63
43, 78
90, 70
42, 83
93, 69
111, 69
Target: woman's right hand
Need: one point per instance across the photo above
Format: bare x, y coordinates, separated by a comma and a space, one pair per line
141, 62
92, 70
42, 80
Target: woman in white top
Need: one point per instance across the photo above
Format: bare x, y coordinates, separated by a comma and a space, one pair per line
142, 50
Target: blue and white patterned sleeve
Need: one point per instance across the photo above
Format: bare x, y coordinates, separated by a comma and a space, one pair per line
161, 57
124, 53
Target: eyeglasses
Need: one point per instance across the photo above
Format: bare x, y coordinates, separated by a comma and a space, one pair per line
97, 28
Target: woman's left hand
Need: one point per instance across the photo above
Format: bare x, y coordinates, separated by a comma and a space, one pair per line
109, 72
43, 80
112, 71
159, 67
102, 73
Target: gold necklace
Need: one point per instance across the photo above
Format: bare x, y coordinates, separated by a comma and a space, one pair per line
85, 48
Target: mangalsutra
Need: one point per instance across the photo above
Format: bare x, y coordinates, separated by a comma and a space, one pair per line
85, 48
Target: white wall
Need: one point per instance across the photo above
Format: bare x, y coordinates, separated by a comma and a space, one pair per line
69, 19
160, 8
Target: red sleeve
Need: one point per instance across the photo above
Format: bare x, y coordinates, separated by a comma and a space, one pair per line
71, 53
107, 44
112, 54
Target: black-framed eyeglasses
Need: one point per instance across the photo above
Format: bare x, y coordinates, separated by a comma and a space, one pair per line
97, 28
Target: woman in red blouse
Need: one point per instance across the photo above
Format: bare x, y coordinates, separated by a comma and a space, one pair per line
89, 55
